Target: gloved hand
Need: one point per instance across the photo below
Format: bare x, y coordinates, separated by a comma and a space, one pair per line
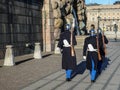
58, 49
84, 57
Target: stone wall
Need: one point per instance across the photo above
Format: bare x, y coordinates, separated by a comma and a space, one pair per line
56, 13
20, 23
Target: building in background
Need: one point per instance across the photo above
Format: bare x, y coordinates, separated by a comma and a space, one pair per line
117, 2
109, 16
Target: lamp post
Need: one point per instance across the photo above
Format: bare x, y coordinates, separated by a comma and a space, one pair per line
98, 21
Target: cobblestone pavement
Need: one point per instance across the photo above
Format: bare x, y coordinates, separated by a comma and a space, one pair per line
46, 74
28, 70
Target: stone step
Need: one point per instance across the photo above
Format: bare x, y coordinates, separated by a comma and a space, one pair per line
80, 42
112, 35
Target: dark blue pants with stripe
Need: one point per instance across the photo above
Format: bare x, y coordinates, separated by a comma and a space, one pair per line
93, 71
68, 73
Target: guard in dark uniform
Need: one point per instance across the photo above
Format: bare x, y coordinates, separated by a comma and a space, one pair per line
90, 53
103, 40
68, 61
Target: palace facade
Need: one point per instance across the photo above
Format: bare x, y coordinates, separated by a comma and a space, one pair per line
109, 15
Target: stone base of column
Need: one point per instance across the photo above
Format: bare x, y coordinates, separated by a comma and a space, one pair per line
9, 57
37, 51
57, 49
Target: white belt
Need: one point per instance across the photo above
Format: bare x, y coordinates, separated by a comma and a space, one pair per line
92, 50
66, 45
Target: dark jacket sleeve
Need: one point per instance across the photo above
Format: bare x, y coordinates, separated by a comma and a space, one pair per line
106, 40
60, 43
85, 46
74, 40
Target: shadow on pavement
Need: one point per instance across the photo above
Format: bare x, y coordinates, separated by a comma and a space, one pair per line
80, 69
46, 55
105, 63
19, 62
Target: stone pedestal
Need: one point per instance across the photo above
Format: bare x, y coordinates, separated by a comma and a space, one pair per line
57, 49
9, 57
37, 51
80, 41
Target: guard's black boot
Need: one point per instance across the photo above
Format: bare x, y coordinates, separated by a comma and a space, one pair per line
68, 79
99, 72
92, 81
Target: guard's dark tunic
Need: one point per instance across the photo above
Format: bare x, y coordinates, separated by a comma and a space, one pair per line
68, 61
90, 55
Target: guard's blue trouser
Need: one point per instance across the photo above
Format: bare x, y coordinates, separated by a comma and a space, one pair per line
93, 71
68, 73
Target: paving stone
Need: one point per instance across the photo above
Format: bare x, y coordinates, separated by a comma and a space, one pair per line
55, 75
115, 80
108, 80
36, 85
103, 78
51, 85
96, 86
66, 86
87, 79
80, 76
81, 86
118, 71
112, 87
63, 78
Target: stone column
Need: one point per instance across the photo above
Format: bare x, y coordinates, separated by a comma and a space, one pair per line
37, 51
47, 25
9, 57
58, 22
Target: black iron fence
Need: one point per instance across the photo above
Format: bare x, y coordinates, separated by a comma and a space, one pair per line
20, 23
